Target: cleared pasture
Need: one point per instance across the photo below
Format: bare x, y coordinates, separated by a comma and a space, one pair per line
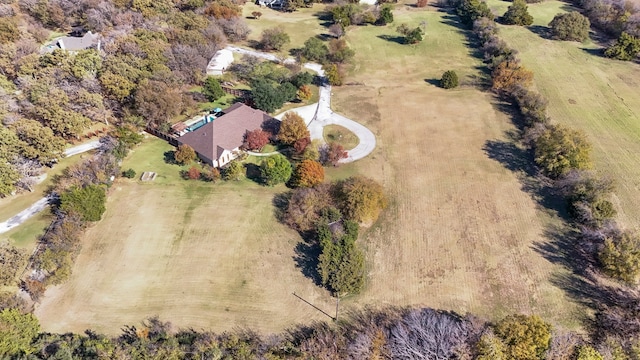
198, 254
459, 233
589, 92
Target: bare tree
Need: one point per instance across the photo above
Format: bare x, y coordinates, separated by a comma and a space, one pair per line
28, 170
429, 334
563, 346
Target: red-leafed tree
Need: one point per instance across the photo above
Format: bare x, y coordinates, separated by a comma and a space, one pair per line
308, 174
255, 140
193, 173
334, 152
301, 144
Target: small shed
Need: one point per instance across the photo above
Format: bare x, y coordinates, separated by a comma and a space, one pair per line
219, 62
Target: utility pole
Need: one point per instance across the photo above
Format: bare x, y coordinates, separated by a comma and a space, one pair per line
337, 307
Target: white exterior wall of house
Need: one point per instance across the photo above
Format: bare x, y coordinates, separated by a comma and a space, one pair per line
226, 157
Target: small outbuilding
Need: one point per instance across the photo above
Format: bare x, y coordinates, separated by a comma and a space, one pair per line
73, 43
220, 62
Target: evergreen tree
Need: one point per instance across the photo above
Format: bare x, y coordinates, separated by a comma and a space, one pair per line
212, 89
626, 48
517, 14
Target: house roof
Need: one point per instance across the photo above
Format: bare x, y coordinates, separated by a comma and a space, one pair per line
226, 132
78, 43
220, 61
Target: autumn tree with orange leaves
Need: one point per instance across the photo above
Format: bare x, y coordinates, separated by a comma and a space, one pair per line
508, 74
308, 174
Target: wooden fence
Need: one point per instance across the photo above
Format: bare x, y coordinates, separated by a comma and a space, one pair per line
241, 93
170, 139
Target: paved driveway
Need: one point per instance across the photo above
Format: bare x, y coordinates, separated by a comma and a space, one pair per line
44, 202
319, 115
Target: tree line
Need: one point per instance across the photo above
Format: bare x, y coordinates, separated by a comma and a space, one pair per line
369, 333
563, 157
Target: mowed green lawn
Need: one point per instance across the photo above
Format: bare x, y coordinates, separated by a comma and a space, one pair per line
382, 59
299, 25
588, 92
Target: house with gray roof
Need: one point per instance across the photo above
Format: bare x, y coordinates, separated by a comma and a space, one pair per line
219, 141
73, 43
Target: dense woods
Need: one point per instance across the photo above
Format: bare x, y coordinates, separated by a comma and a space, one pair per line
150, 52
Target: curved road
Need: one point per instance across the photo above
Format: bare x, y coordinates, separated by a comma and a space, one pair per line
319, 115
44, 202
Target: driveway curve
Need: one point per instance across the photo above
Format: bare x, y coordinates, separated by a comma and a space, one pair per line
319, 115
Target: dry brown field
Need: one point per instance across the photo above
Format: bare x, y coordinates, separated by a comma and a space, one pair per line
200, 256
459, 234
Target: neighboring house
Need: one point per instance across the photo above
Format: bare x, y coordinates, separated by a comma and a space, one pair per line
276, 4
219, 141
220, 62
73, 43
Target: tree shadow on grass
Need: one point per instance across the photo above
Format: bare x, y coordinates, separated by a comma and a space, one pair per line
325, 17
581, 282
307, 251
306, 259
253, 173
434, 82
520, 161
471, 42
594, 52
392, 38
542, 31
280, 203
452, 19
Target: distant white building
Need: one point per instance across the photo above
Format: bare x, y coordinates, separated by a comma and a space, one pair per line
220, 62
72, 43
276, 4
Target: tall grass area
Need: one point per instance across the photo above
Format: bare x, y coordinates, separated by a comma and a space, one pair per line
589, 92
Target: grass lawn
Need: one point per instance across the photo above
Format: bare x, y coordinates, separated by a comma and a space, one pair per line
340, 135
300, 25
181, 253
27, 233
588, 92
459, 233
